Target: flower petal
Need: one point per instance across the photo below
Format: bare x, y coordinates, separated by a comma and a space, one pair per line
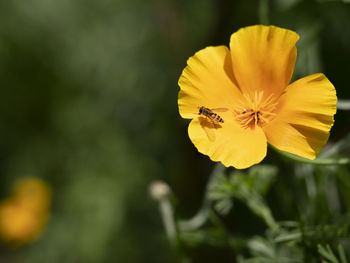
304, 117
207, 81
263, 58
233, 145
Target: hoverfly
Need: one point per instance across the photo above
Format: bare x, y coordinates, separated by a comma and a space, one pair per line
214, 118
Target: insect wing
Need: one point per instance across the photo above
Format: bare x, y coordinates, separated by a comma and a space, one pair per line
220, 109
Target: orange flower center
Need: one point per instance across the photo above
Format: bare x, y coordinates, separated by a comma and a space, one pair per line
256, 110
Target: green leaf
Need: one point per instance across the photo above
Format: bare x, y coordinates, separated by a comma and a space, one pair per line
263, 176
342, 254
337, 147
329, 255
220, 194
211, 236
260, 246
249, 188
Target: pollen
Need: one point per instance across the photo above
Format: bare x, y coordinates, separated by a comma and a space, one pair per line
256, 110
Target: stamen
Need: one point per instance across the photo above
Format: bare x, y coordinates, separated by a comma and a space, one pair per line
256, 110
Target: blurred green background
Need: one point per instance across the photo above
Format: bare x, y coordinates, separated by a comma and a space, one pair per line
89, 104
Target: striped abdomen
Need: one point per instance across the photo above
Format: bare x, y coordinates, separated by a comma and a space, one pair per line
210, 114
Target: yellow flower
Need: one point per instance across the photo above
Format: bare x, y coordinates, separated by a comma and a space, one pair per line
33, 193
248, 88
25, 213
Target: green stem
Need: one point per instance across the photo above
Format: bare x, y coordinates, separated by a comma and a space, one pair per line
202, 215
269, 220
343, 105
318, 161
160, 192
256, 203
263, 12
166, 211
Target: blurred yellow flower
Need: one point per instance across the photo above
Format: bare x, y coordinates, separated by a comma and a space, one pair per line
24, 214
33, 193
246, 100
